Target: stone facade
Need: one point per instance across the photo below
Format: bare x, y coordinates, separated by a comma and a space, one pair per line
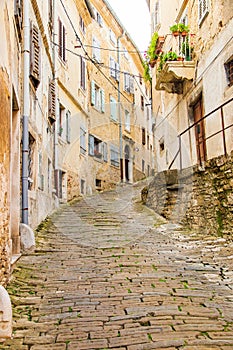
200, 200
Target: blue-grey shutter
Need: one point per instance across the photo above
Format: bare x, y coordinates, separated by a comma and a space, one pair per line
131, 85
91, 145
93, 93
68, 131
102, 95
117, 71
105, 151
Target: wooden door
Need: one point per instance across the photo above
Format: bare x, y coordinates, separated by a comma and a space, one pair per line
199, 132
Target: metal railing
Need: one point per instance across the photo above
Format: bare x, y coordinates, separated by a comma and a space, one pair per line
203, 141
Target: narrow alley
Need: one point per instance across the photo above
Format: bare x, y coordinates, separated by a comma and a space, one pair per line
108, 273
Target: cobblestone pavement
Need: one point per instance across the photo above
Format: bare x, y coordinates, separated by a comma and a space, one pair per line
108, 273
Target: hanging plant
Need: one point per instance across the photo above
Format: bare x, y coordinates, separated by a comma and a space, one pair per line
151, 51
146, 75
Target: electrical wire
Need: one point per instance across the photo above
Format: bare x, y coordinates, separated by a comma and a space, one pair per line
89, 58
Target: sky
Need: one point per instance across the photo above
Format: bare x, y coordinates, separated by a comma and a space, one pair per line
134, 15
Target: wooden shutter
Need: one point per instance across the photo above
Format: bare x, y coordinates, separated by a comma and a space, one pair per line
143, 136
91, 142
18, 17
112, 67
63, 43
105, 151
93, 93
131, 85
35, 59
60, 37
52, 102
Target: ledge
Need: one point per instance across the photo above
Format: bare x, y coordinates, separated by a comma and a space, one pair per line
173, 74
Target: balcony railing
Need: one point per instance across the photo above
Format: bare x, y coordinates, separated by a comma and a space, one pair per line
175, 63
226, 124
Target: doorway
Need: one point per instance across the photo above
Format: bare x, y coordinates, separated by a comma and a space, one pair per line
199, 132
127, 160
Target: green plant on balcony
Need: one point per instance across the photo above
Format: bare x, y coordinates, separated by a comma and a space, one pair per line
179, 28
146, 75
169, 56
151, 51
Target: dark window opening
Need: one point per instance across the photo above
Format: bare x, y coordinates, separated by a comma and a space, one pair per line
143, 136
229, 72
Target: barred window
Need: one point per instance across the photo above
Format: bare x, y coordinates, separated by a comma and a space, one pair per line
229, 72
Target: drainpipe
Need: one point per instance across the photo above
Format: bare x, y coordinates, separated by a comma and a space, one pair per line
26, 109
119, 111
56, 172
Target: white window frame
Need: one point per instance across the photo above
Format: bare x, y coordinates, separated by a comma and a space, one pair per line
114, 156
97, 97
127, 120
113, 108
96, 53
112, 37
203, 10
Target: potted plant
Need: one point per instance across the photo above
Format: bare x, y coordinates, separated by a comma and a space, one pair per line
152, 56
174, 29
183, 29
170, 56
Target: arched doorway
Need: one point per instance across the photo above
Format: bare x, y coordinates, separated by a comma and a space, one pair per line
127, 160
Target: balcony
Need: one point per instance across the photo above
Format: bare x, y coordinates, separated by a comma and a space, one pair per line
175, 64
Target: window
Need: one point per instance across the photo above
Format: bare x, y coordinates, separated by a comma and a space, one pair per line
95, 147
143, 165
83, 73
97, 97
49, 175
40, 175
125, 53
82, 25
229, 72
127, 121
140, 79
148, 142
98, 183
52, 102
161, 145
61, 120
156, 15
35, 56
18, 12
68, 131
31, 150
61, 40
82, 190
143, 136
128, 83
112, 37
202, 10
113, 108
142, 102
114, 156
99, 19
83, 147
96, 54
50, 12
114, 69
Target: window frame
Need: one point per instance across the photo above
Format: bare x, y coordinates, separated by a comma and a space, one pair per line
203, 10
61, 40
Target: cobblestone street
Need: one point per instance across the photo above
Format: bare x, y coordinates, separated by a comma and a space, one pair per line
108, 273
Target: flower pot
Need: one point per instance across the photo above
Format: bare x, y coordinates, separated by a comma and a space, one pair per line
180, 58
175, 33
152, 63
184, 33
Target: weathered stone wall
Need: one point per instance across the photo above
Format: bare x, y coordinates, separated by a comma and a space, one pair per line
200, 200
5, 245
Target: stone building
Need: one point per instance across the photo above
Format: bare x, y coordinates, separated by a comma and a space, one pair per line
193, 98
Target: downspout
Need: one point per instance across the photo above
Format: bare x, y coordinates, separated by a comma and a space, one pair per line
119, 109
26, 109
56, 172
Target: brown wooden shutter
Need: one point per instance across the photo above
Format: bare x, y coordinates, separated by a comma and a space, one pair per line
18, 17
52, 102
35, 56
60, 37
64, 44
143, 136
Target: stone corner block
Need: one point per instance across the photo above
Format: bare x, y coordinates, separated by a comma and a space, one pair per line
5, 315
27, 236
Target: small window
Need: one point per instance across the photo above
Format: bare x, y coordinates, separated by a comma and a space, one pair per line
128, 83
98, 183
114, 69
229, 72
143, 165
68, 130
202, 10
31, 154
114, 155
62, 40
142, 102
82, 25
82, 190
61, 120
161, 145
127, 121
18, 12
112, 37
113, 108
143, 136
99, 19
148, 142
83, 73
96, 53
97, 97
140, 79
